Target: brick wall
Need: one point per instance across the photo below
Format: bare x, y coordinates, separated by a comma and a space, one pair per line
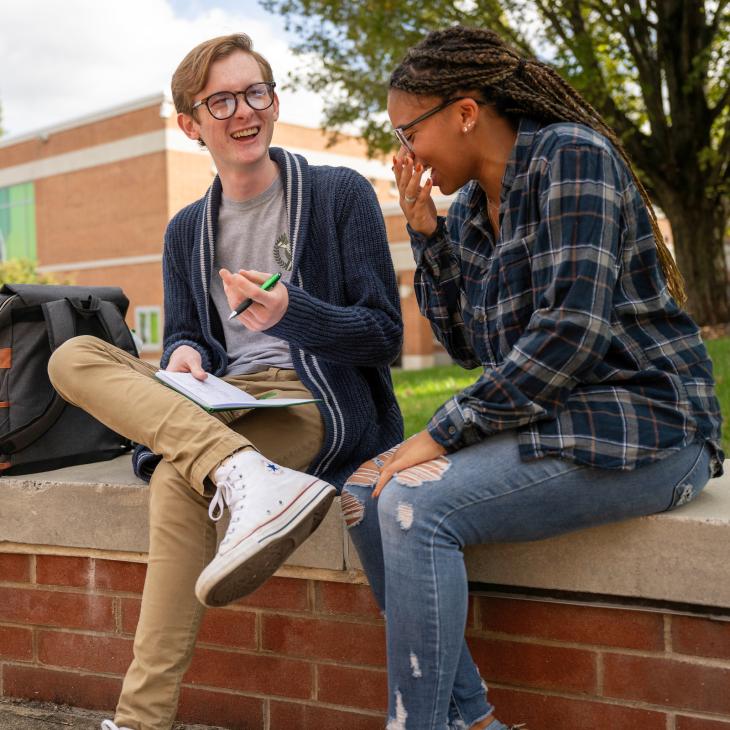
310, 654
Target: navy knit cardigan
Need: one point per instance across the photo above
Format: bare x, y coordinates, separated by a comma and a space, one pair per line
343, 323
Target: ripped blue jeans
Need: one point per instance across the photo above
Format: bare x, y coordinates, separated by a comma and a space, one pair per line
410, 542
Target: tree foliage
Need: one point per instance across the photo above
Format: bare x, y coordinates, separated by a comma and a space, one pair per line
23, 271
657, 70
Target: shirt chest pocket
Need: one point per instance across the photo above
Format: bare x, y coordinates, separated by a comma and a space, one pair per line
509, 294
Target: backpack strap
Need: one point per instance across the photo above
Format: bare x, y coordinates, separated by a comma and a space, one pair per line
115, 326
60, 316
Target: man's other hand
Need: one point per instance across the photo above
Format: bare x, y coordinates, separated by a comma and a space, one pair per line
186, 359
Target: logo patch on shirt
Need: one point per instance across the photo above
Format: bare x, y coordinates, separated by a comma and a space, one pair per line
282, 252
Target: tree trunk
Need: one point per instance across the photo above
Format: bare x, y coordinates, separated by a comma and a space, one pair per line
698, 230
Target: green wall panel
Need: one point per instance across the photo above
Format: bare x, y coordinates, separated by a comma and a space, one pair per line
17, 221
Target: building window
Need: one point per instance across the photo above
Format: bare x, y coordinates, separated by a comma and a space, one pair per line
17, 222
148, 327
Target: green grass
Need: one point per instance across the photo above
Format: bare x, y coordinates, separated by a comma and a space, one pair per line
421, 392
720, 353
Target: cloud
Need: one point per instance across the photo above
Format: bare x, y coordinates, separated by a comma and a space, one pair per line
62, 60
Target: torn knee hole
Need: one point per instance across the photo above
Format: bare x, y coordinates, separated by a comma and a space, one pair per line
366, 476
353, 510
429, 471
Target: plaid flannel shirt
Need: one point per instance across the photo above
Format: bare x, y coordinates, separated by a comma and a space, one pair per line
583, 350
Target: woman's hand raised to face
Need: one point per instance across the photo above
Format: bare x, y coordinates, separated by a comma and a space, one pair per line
415, 199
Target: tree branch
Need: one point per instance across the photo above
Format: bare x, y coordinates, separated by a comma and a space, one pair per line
721, 105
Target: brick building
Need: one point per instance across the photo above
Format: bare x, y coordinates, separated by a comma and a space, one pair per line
89, 201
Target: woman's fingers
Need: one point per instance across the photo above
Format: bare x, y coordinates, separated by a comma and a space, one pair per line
403, 169
386, 474
415, 199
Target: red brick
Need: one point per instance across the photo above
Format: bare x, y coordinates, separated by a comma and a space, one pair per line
679, 684
251, 673
701, 637
224, 627
365, 689
14, 568
699, 723
107, 654
472, 613
231, 711
16, 643
130, 614
578, 624
322, 639
535, 665
546, 712
290, 715
116, 575
229, 628
55, 608
62, 570
346, 598
80, 690
289, 594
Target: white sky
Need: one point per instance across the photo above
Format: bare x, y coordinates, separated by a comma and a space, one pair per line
61, 59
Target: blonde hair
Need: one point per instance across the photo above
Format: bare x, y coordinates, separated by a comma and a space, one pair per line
192, 73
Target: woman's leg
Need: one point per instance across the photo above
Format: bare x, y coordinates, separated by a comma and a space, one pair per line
483, 494
360, 510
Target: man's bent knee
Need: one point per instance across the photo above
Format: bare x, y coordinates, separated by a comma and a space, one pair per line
69, 355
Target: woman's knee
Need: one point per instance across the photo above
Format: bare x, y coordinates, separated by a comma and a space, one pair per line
397, 508
356, 502
356, 494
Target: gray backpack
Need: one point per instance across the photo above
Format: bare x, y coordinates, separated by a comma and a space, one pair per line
38, 429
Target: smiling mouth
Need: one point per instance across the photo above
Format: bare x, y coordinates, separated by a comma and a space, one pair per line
244, 133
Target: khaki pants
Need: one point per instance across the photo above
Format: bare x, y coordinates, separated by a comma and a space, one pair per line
121, 391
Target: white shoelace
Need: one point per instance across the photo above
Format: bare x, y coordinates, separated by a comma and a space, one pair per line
228, 494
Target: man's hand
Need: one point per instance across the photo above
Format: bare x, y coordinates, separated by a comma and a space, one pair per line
186, 359
268, 306
415, 450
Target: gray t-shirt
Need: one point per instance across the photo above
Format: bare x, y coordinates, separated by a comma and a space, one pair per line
253, 234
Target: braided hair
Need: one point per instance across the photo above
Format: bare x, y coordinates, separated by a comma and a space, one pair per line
447, 62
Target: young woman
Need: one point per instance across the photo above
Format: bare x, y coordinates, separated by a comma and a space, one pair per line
596, 398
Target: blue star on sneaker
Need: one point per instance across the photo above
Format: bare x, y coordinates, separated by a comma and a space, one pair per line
272, 467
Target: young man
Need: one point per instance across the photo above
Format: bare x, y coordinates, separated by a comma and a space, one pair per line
328, 329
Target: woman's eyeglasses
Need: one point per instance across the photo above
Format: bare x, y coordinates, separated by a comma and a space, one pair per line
400, 131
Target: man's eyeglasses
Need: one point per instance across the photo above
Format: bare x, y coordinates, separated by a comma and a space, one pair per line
400, 131
223, 104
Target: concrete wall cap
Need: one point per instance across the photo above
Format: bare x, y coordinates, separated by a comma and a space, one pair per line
677, 556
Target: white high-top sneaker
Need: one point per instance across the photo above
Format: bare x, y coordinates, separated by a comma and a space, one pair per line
273, 511
109, 725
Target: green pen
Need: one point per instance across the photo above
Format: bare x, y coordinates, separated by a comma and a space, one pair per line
246, 303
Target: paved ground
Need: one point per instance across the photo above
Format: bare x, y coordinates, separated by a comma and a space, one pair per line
27, 715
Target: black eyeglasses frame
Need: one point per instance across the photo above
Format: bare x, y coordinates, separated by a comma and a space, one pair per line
399, 132
236, 94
